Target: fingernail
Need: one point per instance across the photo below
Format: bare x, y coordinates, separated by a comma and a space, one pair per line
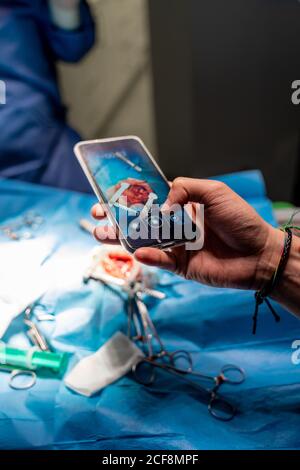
139, 254
99, 211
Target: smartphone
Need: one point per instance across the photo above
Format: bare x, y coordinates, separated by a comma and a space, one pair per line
128, 181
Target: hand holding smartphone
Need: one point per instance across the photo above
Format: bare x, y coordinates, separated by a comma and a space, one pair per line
131, 186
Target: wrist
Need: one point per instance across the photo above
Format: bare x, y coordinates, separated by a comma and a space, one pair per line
269, 258
286, 291
290, 280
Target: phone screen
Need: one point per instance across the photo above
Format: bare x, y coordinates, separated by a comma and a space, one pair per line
132, 186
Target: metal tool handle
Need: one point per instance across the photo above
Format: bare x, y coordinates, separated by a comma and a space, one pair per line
233, 374
15, 379
36, 336
181, 361
151, 292
220, 408
144, 372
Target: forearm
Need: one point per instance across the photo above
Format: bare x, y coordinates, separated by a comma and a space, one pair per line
65, 14
287, 293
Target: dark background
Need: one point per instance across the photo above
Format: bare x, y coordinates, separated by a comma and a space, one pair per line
222, 82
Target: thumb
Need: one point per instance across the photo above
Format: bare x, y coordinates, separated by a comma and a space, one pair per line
155, 257
186, 190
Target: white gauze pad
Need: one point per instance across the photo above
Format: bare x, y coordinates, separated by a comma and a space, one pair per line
111, 362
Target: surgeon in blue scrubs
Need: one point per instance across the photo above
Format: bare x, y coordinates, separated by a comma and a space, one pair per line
36, 144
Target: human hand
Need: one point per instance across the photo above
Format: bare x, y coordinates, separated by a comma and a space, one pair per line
240, 249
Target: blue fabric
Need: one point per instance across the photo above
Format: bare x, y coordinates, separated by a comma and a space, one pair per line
33, 128
213, 324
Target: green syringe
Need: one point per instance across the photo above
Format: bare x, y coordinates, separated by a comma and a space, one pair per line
31, 359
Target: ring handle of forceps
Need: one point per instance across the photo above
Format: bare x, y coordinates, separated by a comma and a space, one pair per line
225, 375
25, 373
138, 376
174, 358
216, 401
151, 364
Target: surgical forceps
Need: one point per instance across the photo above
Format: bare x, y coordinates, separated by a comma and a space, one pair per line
24, 379
218, 406
125, 159
33, 332
24, 228
180, 364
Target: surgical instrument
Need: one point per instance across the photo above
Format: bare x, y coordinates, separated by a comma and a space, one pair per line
23, 365
218, 406
33, 331
179, 363
24, 228
44, 312
123, 157
20, 379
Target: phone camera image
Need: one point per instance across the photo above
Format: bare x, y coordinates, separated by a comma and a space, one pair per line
155, 220
126, 178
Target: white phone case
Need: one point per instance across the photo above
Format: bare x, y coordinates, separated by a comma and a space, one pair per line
100, 195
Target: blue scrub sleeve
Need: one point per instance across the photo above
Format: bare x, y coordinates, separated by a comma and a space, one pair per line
68, 46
